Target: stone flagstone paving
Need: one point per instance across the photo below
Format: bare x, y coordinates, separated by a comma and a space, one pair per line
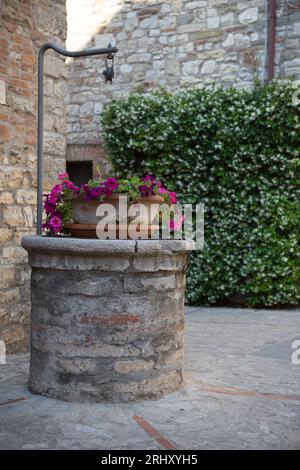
241, 392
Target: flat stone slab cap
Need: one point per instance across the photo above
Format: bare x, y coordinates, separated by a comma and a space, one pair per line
105, 247
164, 246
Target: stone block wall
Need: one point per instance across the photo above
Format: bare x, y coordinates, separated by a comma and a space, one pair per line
174, 43
24, 26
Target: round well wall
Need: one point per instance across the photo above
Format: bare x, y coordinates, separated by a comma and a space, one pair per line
107, 317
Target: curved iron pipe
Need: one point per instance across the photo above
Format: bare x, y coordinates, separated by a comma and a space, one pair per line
64, 52
83, 53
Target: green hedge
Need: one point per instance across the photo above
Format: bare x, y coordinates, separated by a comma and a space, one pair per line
238, 152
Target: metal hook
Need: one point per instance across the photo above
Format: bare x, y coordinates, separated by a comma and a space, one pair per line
109, 72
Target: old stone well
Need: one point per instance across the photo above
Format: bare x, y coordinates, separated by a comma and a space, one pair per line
107, 317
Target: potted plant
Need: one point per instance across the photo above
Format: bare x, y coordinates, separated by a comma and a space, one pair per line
72, 209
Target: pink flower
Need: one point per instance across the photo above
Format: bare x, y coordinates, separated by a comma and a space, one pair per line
55, 190
50, 203
69, 185
55, 224
92, 193
145, 191
162, 190
110, 185
176, 223
95, 192
49, 206
148, 178
52, 198
63, 176
172, 197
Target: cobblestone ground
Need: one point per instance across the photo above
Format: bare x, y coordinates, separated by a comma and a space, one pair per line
241, 391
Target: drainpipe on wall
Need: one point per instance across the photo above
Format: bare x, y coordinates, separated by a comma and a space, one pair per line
271, 40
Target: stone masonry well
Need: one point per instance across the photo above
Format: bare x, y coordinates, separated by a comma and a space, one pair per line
106, 317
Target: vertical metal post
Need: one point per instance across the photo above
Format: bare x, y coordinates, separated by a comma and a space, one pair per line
40, 160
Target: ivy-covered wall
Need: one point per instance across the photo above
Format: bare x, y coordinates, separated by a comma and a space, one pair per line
238, 152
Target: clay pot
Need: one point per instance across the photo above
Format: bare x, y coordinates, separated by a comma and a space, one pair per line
84, 212
85, 218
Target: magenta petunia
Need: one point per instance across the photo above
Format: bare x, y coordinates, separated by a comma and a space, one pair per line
63, 176
161, 190
148, 178
172, 197
56, 190
145, 191
176, 223
68, 184
53, 198
109, 186
55, 224
95, 192
49, 206
111, 183
87, 192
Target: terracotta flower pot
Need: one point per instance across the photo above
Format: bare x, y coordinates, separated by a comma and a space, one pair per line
85, 218
147, 202
84, 212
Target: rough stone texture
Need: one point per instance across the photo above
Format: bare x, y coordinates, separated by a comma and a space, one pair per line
106, 317
24, 26
91, 152
229, 355
174, 43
